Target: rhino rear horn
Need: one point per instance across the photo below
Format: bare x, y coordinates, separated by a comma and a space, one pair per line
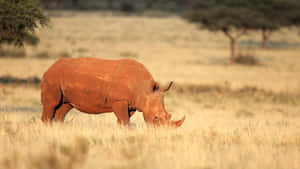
167, 87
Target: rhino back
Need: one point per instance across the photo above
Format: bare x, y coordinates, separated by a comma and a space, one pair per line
91, 82
131, 78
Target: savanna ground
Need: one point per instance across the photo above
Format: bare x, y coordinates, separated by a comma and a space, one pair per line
236, 116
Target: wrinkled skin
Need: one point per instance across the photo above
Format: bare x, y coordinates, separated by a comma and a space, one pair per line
98, 86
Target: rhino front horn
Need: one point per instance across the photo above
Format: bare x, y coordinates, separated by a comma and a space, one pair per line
177, 123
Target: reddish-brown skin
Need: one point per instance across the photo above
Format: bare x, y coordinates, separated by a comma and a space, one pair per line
98, 86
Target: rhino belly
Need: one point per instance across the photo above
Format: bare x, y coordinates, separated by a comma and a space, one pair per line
87, 97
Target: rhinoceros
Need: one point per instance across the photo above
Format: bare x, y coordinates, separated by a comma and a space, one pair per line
96, 86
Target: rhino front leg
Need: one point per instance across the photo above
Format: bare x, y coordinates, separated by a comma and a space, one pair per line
120, 109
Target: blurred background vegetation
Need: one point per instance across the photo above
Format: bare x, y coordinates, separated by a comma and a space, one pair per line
137, 6
235, 18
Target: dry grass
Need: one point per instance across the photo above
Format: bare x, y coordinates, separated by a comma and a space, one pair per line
237, 116
209, 141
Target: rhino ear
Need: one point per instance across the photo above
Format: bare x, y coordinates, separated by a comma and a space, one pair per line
167, 87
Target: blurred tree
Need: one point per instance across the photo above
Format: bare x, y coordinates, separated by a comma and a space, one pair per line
110, 4
293, 14
232, 17
150, 3
127, 6
18, 21
274, 14
240, 16
75, 3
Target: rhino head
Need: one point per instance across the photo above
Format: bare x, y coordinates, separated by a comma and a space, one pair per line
154, 111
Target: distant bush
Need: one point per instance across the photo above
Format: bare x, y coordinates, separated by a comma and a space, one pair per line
42, 55
129, 54
64, 54
45, 55
82, 50
246, 59
7, 79
244, 114
12, 53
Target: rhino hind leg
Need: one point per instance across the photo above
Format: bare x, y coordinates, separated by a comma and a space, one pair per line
51, 100
61, 112
120, 109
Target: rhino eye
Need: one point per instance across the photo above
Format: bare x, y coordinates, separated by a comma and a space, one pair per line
155, 118
155, 88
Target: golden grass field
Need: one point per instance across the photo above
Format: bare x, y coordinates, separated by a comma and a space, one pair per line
237, 117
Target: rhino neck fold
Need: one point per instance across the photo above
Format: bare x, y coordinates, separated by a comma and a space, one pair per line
141, 103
